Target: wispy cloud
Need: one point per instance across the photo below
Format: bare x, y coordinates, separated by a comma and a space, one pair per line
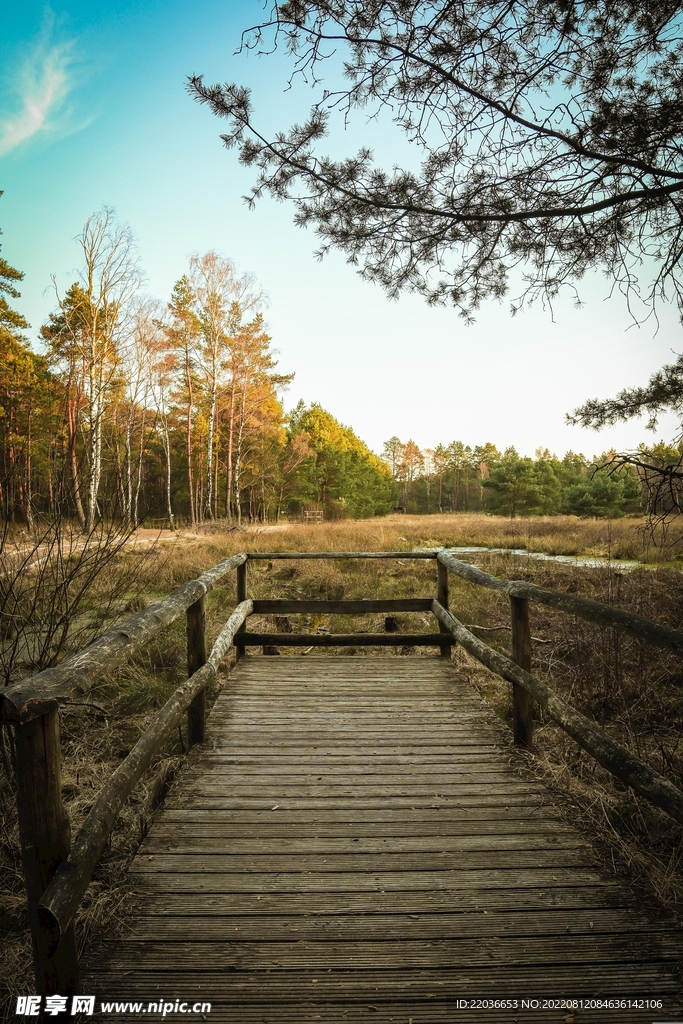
41, 87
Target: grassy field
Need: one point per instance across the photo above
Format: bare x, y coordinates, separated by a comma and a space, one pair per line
628, 538
632, 691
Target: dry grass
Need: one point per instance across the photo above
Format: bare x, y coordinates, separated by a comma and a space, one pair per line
627, 538
630, 689
617, 681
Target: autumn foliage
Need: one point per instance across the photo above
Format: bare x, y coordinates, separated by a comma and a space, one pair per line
142, 409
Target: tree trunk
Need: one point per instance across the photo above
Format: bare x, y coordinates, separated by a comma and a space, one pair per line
29, 487
167, 449
231, 440
190, 403
72, 424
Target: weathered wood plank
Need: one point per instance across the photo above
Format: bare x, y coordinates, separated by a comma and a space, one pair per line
353, 821
479, 797
363, 905
254, 881
180, 843
392, 955
234, 988
502, 825
363, 607
206, 792
482, 860
265, 775
379, 926
340, 639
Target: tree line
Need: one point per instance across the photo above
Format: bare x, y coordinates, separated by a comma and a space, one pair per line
459, 478
140, 408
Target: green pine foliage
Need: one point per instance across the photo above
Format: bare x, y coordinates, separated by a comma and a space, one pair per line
457, 478
342, 477
547, 485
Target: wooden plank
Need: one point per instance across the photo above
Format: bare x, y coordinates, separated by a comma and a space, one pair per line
392, 955
353, 820
386, 774
363, 607
317, 804
359, 905
462, 926
254, 881
181, 843
222, 763
484, 859
340, 639
236, 987
381, 1012
502, 825
468, 775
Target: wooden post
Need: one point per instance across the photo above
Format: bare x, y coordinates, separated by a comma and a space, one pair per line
241, 596
196, 657
45, 836
442, 598
522, 702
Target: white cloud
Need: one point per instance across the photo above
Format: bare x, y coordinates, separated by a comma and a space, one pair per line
42, 85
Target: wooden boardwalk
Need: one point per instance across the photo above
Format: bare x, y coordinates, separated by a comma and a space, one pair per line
353, 844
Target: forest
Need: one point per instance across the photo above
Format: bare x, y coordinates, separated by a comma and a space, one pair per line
458, 478
140, 409
169, 412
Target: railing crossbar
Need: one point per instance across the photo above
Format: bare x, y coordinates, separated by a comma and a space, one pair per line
272, 556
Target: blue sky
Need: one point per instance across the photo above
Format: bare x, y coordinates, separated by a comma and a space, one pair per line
93, 111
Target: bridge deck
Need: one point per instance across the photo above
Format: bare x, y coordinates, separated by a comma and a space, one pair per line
354, 844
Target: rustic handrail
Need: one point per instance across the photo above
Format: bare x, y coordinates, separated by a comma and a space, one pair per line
610, 754
39, 694
60, 901
605, 615
32, 708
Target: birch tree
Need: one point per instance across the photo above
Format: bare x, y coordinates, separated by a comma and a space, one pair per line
137, 357
183, 331
221, 298
163, 367
87, 333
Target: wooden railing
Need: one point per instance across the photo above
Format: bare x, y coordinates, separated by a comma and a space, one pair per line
32, 707
58, 873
